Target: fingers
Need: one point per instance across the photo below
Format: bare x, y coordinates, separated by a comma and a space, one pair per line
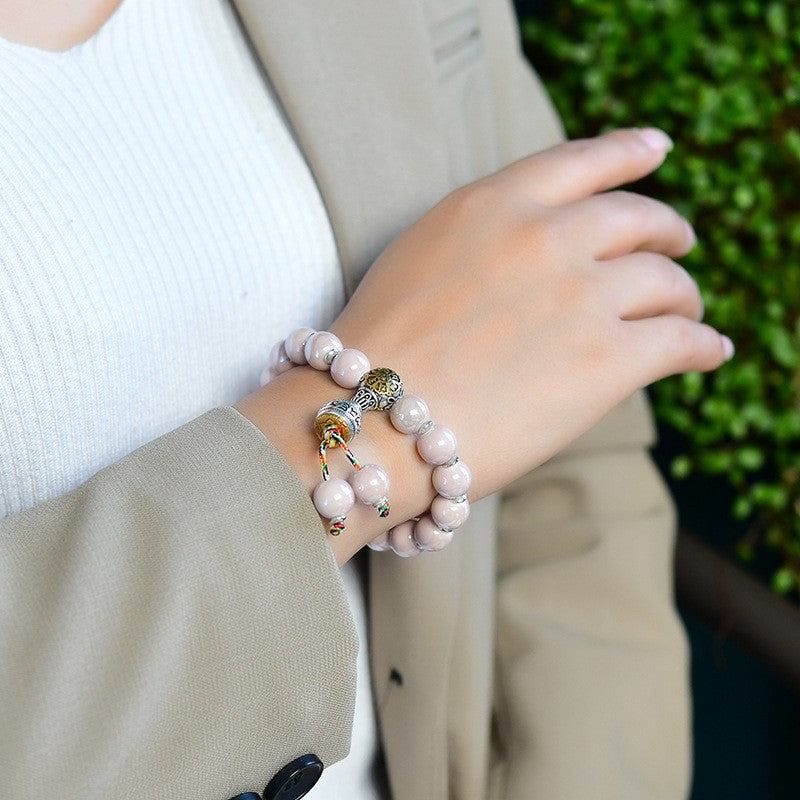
671, 344
583, 167
616, 223
650, 284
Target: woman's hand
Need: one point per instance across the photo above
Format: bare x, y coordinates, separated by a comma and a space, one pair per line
524, 306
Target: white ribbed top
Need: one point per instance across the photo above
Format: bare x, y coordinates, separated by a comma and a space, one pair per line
159, 230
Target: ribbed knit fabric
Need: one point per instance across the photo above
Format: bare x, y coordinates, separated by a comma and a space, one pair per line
159, 230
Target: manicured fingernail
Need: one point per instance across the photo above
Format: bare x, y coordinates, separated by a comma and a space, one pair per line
727, 348
656, 139
691, 235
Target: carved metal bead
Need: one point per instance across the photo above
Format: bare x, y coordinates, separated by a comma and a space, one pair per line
380, 388
344, 415
365, 399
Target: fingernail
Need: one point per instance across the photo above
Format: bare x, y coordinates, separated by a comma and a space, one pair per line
656, 139
727, 348
692, 236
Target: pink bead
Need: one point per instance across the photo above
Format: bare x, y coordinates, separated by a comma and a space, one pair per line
333, 498
438, 445
370, 484
349, 367
318, 346
409, 413
380, 543
401, 538
429, 537
278, 360
448, 513
295, 344
452, 481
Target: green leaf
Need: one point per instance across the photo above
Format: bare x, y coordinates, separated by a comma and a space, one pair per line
681, 467
750, 458
742, 507
724, 79
776, 20
744, 196
784, 580
745, 551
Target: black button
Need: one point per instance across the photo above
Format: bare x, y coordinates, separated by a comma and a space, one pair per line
247, 796
295, 780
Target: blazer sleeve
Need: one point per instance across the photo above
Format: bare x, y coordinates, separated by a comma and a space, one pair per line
176, 627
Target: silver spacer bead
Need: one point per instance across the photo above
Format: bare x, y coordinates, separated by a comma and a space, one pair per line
425, 427
330, 355
452, 462
461, 499
336, 520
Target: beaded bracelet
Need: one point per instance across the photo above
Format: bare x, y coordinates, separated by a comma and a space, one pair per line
339, 421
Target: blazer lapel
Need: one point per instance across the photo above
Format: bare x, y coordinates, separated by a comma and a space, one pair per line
364, 111
432, 662
341, 72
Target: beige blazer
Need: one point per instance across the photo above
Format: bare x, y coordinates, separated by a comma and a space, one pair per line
177, 628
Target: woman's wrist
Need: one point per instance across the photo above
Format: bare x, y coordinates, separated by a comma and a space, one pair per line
284, 411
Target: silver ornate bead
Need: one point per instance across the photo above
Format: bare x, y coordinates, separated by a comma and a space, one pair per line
380, 388
344, 415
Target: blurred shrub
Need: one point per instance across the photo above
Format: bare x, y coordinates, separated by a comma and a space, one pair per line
723, 78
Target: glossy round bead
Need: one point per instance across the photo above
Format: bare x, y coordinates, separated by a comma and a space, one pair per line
319, 346
409, 413
429, 536
349, 367
334, 498
448, 513
295, 344
266, 376
438, 445
401, 539
380, 543
370, 484
279, 362
452, 481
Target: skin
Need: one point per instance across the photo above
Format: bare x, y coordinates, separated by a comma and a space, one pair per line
523, 307
55, 25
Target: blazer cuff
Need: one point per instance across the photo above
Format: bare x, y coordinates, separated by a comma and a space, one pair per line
190, 616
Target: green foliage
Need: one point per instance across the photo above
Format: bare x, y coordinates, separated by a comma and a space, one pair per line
723, 78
